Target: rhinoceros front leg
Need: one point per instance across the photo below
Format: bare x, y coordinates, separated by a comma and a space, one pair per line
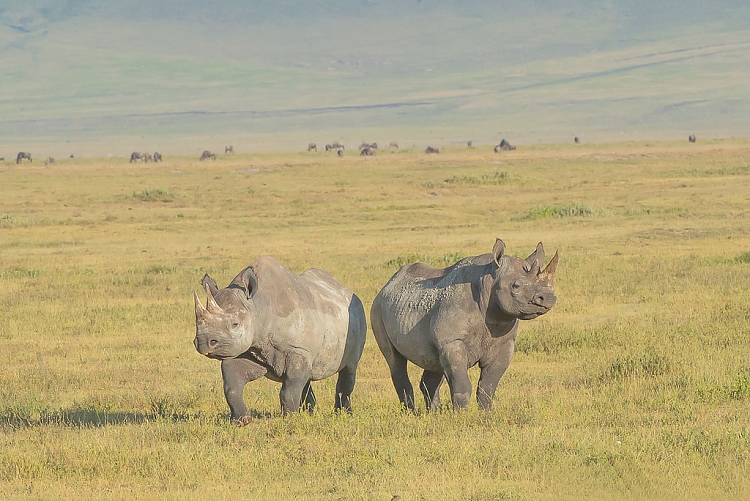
308, 398
296, 377
454, 359
430, 386
492, 370
236, 373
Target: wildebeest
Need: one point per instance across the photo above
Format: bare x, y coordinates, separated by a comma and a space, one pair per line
23, 155
335, 146
147, 157
71, 156
2, 159
366, 152
340, 153
430, 149
577, 140
206, 155
691, 138
229, 149
312, 146
290, 328
50, 160
448, 320
157, 157
468, 143
135, 156
504, 146
372, 146
393, 144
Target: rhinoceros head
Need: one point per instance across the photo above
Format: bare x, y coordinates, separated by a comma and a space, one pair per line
521, 288
224, 327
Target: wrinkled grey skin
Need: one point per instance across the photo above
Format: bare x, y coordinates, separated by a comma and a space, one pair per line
448, 320
291, 328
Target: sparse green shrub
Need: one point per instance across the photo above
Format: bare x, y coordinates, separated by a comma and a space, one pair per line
547, 211
155, 195
159, 269
743, 258
739, 388
484, 179
438, 261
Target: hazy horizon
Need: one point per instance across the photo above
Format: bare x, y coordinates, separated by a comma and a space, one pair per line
108, 77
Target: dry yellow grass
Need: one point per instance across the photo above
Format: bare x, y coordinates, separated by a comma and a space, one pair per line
635, 386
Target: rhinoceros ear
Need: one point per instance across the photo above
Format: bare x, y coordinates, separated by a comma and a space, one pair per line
535, 261
498, 250
210, 282
247, 281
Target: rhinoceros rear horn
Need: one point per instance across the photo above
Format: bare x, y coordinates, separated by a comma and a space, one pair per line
247, 280
211, 305
200, 311
549, 271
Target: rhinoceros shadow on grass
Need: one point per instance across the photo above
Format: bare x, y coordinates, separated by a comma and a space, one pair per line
448, 320
290, 328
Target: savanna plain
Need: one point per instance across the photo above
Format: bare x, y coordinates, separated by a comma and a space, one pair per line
636, 385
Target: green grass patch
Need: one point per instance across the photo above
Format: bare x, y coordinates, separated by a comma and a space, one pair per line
153, 195
496, 178
442, 261
558, 211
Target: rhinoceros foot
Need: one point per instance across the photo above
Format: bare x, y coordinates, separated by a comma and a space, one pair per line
243, 421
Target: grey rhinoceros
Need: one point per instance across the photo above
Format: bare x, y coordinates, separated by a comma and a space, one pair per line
447, 320
290, 328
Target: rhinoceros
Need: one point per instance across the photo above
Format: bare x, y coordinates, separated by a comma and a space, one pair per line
291, 328
448, 320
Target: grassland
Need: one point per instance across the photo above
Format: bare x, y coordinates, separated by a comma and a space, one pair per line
635, 386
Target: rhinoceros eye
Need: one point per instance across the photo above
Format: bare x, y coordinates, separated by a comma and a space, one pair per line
235, 325
516, 286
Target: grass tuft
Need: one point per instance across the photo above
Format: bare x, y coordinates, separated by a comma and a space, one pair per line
637, 366
558, 211
154, 195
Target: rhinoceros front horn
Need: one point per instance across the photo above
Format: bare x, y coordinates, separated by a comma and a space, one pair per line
211, 304
549, 271
200, 311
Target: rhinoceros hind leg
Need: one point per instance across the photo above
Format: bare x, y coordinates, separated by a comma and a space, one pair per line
344, 387
430, 386
453, 358
308, 398
396, 361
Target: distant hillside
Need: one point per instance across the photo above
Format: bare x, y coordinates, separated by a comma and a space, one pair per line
109, 76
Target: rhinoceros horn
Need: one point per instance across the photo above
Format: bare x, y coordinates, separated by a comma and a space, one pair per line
200, 311
549, 271
211, 304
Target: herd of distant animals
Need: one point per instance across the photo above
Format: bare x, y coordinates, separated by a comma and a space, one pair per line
365, 150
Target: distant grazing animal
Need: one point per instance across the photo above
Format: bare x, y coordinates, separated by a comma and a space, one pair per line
577, 140
340, 153
468, 143
430, 149
393, 144
290, 328
23, 155
691, 138
229, 149
366, 152
448, 320
135, 156
2, 159
206, 155
147, 157
504, 146
158, 157
71, 156
335, 146
50, 160
312, 146
372, 146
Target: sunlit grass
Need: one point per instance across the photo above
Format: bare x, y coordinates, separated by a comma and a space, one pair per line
636, 385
